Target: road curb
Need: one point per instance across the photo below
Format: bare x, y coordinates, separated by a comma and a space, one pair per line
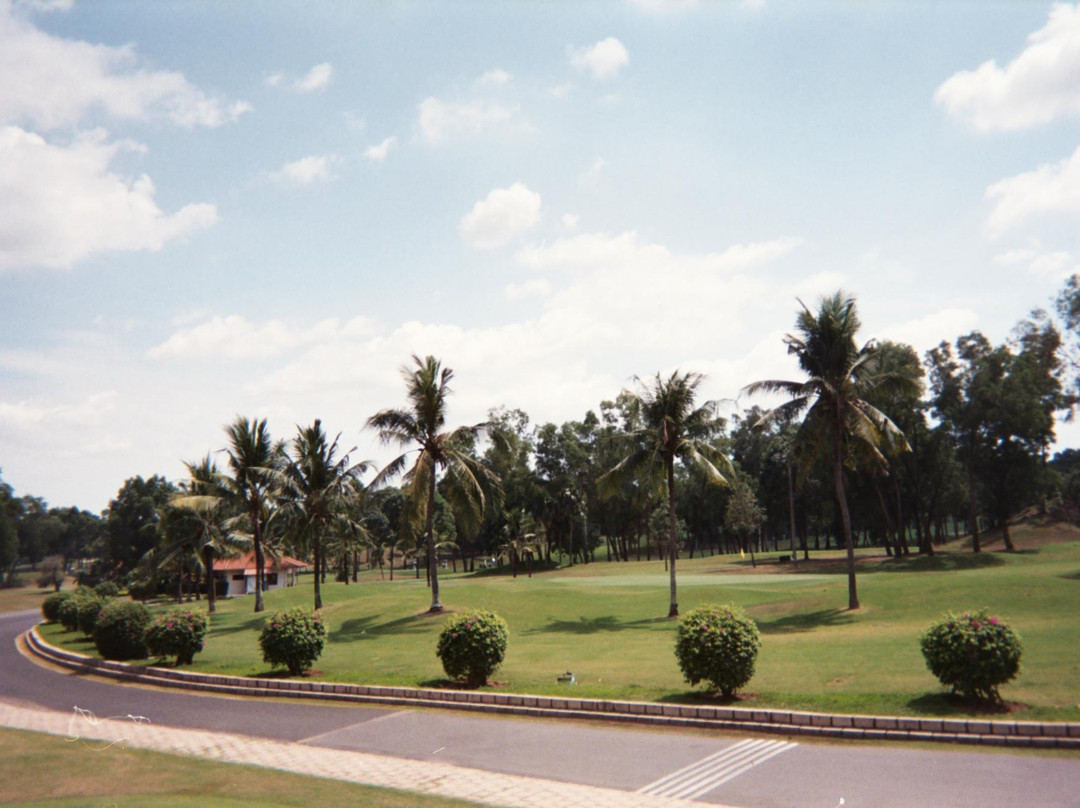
1025, 734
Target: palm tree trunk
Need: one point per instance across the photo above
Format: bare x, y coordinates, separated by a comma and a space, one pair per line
673, 609
256, 531
211, 594
316, 543
436, 604
791, 515
845, 518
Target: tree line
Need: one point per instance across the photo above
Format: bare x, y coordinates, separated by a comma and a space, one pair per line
868, 447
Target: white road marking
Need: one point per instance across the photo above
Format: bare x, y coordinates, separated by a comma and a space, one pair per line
713, 771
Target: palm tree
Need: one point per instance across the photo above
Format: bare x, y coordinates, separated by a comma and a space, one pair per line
840, 378
204, 498
520, 539
318, 483
423, 423
665, 425
255, 464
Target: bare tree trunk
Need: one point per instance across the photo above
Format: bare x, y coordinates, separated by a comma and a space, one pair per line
436, 604
673, 609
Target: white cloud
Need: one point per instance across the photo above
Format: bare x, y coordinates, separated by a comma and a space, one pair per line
37, 415
570, 221
592, 175
307, 170
443, 120
234, 337
494, 78
603, 60
61, 203
501, 215
924, 333
1057, 264
533, 288
1048, 189
1040, 85
53, 83
377, 154
316, 79
561, 90
274, 79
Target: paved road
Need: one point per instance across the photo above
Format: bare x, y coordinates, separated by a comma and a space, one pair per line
720, 768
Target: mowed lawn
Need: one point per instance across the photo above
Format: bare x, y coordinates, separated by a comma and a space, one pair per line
606, 623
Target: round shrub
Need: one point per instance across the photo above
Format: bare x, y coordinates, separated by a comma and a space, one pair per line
178, 633
119, 630
472, 645
718, 645
50, 607
88, 612
107, 589
68, 613
973, 653
293, 638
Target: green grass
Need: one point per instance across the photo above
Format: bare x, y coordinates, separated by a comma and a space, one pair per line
49, 770
605, 622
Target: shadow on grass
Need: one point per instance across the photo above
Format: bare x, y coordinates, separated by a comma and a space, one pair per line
595, 625
939, 562
254, 623
949, 704
365, 628
708, 698
1072, 576
793, 623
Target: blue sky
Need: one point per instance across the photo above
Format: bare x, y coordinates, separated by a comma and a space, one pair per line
210, 209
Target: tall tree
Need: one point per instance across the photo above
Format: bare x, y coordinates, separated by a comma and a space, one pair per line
840, 378
206, 497
132, 517
423, 424
669, 427
255, 463
319, 482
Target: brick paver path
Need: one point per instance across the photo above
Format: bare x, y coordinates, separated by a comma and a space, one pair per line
357, 767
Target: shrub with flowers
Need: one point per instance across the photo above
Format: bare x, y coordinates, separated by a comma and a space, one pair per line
179, 633
973, 653
293, 638
472, 645
119, 630
718, 645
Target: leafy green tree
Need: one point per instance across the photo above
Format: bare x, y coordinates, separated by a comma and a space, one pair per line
255, 464
131, 521
423, 424
11, 509
208, 529
319, 482
998, 404
671, 428
841, 377
744, 514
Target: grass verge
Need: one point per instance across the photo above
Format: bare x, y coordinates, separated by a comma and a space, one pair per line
47, 770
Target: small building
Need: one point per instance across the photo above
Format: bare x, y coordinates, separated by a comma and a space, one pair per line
239, 573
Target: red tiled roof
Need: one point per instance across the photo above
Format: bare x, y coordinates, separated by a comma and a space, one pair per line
246, 564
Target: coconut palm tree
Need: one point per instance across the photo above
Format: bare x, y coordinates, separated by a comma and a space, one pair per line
468, 483
318, 485
206, 501
664, 425
840, 378
255, 464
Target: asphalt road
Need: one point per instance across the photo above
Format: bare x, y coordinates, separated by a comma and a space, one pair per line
771, 772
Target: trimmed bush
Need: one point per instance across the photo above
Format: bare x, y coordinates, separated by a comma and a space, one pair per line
718, 645
88, 612
120, 628
50, 607
293, 638
973, 653
68, 613
107, 589
178, 633
472, 645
